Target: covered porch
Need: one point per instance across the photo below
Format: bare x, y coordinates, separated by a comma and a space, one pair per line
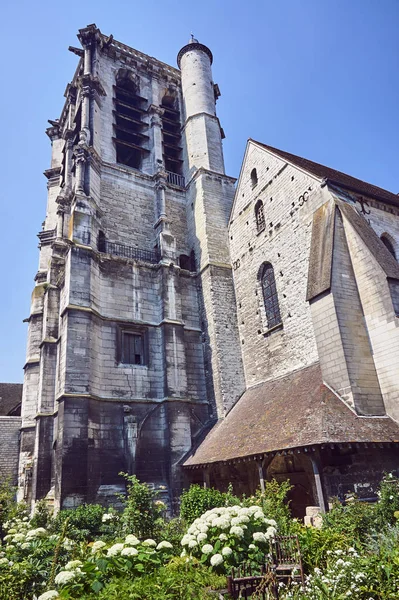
296, 428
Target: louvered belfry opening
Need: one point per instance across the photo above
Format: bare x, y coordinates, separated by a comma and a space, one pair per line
172, 149
131, 138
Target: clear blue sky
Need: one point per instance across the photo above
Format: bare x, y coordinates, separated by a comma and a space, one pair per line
319, 78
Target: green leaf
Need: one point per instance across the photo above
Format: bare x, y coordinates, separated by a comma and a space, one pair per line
96, 586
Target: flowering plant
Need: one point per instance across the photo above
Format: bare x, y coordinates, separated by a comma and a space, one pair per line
226, 536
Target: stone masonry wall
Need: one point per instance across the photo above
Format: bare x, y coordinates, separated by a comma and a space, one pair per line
381, 320
9, 448
285, 243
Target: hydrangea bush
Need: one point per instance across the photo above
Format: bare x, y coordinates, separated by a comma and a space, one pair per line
226, 536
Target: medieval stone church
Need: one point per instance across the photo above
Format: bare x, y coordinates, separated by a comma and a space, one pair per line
184, 328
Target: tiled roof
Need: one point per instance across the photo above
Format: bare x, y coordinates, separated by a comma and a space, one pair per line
293, 411
10, 397
337, 177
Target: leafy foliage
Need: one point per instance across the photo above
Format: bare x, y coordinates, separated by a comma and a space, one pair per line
274, 503
42, 515
84, 522
141, 512
197, 500
178, 580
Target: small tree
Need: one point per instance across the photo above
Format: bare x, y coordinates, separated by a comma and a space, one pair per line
140, 514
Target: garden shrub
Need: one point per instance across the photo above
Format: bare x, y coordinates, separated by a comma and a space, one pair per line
197, 500
274, 503
353, 520
226, 536
388, 501
173, 531
9, 508
84, 522
42, 514
316, 543
178, 580
142, 511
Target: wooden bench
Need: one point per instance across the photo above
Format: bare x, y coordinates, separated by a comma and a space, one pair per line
263, 581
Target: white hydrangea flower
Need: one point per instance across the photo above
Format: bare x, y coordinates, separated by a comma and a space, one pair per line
216, 560
252, 547
131, 540
271, 522
18, 537
164, 545
192, 530
50, 595
97, 546
207, 548
115, 549
3, 562
186, 539
34, 533
201, 537
258, 536
73, 564
64, 577
238, 531
129, 551
203, 528
259, 515
107, 517
149, 542
221, 523
25, 545
223, 537
270, 532
68, 544
254, 509
192, 543
227, 551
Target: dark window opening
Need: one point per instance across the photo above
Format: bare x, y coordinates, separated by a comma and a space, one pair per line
187, 262
132, 348
260, 216
388, 244
101, 242
130, 132
254, 177
172, 149
270, 297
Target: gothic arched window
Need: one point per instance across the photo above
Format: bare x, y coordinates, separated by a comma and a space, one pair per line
260, 216
270, 297
254, 177
388, 244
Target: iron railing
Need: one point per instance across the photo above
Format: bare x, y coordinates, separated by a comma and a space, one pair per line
176, 179
128, 251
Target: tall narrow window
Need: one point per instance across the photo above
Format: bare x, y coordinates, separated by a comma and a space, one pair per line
388, 244
130, 131
270, 298
254, 177
260, 216
172, 148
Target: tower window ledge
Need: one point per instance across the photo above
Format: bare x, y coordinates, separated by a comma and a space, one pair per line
273, 329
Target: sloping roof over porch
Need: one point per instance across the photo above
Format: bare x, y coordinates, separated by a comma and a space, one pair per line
293, 411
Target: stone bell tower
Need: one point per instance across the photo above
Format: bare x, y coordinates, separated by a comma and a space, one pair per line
133, 345
210, 194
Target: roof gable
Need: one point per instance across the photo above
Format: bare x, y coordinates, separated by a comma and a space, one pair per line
336, 177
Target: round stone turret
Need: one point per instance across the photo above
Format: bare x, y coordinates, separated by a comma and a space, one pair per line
195, 61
